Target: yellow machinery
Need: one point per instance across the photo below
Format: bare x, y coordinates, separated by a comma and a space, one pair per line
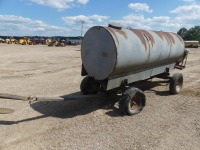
25, 41
2, 40
11, 41
50, 42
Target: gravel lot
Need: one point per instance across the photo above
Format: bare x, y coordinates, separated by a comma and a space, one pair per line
167, 122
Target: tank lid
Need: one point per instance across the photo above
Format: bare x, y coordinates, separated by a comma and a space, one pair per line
115, 25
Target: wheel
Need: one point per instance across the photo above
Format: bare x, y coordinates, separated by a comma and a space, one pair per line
50, 44
58, 45
132, 102
176, 83
89, 86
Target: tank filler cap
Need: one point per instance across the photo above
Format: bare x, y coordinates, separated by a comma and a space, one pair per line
115, 25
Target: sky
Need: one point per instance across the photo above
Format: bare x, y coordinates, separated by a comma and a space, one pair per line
64, 17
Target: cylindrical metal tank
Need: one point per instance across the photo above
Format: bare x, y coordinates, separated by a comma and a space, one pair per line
110, 51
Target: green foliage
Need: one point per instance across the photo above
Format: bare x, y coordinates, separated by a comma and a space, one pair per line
193, 34
182, 32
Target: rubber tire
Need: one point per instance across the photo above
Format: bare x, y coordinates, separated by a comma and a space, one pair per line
89, 86
176, 83
58, 45
50, 44
127, 98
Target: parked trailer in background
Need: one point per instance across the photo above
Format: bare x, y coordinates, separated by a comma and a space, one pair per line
191, 44
114, 57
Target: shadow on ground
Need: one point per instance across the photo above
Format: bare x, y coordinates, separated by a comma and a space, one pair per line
148, 86
80, 105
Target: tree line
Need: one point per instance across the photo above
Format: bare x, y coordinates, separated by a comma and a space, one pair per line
192, 34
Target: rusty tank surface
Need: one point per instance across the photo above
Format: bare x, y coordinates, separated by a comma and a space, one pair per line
108, 51
113, 57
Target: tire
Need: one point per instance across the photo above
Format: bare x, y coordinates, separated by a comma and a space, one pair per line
132, 102
89, 86
50, 44
58, 45
176, 83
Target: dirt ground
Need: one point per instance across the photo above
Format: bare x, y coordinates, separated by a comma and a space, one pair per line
167, 122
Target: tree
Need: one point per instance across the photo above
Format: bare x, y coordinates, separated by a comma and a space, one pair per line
191, 34
195, 33
182, 32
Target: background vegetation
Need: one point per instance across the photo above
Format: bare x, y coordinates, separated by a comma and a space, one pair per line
193, 34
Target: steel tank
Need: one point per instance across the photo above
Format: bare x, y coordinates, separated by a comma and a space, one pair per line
110, 51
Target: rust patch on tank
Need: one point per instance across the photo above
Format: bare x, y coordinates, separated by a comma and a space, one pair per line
168, 40
113, 33
151, 38
170, 37
121, 32
167, 36
159, 34
140, 35
180, 39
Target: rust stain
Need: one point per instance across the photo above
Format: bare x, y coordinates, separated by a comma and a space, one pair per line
113, 33
140, 35
163, 35
170, 37
151, 38
122, 33
159, 34
168, 40
180, 39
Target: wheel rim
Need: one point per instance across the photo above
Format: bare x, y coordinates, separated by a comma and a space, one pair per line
135, 103
179, 85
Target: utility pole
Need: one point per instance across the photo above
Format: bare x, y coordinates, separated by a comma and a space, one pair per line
82, 22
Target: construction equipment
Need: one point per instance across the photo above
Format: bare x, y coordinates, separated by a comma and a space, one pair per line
25, 41
114, 57
11, 41
2, 40
42, 41
35, 41
49, 42
62, 42
53, 42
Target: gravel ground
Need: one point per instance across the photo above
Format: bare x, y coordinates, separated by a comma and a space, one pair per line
167, 122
